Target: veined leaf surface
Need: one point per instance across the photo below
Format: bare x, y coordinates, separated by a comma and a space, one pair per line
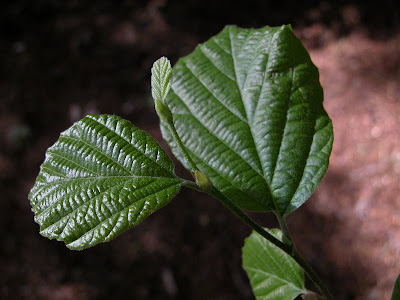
100, 178
247, 104
161, 79
273, 274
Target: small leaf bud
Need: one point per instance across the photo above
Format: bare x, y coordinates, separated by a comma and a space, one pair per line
202, 181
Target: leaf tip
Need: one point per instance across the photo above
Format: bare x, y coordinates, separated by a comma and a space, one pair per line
161, 79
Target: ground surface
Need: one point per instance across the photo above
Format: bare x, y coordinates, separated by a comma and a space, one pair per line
61, 61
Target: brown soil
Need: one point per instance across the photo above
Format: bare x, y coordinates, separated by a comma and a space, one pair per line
356, 210
60, 61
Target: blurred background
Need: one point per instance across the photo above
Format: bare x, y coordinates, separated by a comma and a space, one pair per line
60, 60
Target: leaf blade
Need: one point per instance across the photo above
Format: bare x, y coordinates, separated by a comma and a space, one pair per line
273, 274
100, 178
160, 79
247, 105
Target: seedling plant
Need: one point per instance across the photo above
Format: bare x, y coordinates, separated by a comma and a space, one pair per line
243, 113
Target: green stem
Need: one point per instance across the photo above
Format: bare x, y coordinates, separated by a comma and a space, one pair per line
249, 221
301, 261
182, 147
311, 274
287, 239
287, 246
191, 184
289, 249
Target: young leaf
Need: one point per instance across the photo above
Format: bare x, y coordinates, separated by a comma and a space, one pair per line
273, 274
396, 289
247, 105
160, 86
100, 178
160, 79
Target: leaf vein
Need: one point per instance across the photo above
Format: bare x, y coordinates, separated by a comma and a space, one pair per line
211, 93
51, 151
216, 137
214, 65
228, 181
268, 187
130, 144
120, 212
64, 196
99, 150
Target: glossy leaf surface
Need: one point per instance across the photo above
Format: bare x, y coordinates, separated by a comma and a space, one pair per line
273, 274
247, 104
100, 178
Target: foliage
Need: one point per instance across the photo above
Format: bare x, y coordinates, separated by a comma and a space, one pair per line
100, 178
267, 268
243, 113
247, 105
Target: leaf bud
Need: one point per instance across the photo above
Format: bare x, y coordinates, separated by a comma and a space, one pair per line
202, 181
163, 111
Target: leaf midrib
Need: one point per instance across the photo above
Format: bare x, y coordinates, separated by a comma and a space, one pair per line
291, 284
211, 93
107, 177
269, 190
59, 182
193, 115
288, 262
119, 212
133, 146
68, 215
274, 260
227, 180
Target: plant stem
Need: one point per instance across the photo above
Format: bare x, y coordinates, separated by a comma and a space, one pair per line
179, 143
247, 220
287, 244
311, 274
301, 261
288, 248
191, 184
287, 239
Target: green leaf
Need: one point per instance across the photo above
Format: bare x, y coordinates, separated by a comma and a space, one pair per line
273, 274
396, 289
100, 178
160, 79
247, 104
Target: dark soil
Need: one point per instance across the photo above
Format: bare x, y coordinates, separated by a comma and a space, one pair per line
60, 60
